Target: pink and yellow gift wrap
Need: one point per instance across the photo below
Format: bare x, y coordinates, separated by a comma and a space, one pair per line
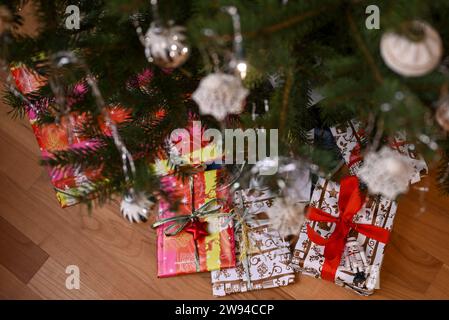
176, 254
52, 137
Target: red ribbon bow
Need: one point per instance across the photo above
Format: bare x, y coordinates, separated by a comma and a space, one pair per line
350, 201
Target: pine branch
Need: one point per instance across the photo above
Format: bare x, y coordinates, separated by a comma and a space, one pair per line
99, 192
83, 159
365, 51
18, 109
285, 100
293, 21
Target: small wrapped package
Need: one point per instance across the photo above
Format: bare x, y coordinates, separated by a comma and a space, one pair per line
350, 138
263, 257
198, 235
344, 236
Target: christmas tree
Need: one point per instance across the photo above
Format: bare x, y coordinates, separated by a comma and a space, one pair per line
306, 65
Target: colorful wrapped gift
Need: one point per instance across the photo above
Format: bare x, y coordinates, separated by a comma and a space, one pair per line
188, 149
198, 235
264, 258
350, 138
68, 183
345, 234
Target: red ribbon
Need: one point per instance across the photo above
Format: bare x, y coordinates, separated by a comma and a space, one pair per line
350, 201
395, 144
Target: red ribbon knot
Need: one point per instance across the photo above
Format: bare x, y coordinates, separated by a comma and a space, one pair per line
350, 201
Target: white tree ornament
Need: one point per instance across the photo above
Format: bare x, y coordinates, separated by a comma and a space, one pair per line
166, 47
286, 216
412, 58
136, 208
220, 94
386, 172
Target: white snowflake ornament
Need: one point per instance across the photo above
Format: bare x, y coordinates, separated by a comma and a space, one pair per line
386, 172
220, 94
136, 208
286, 216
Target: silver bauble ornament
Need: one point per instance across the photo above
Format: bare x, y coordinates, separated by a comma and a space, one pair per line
165, 46
442, 114
136, 208
220, 94
386, 172
412, 58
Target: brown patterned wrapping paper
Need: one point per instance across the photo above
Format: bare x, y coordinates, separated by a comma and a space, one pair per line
350, 137
308, 257
267, 261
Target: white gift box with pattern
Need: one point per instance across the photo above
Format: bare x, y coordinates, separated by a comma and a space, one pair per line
308, 257
350, 138
266, 263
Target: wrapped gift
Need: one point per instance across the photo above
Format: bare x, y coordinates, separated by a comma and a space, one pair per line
400, 144
266, 264
69, 183
187, 150
195, 229
263, 257
350, 138
254, 201
344, 237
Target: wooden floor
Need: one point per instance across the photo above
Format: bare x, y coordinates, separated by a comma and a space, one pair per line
38, 240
